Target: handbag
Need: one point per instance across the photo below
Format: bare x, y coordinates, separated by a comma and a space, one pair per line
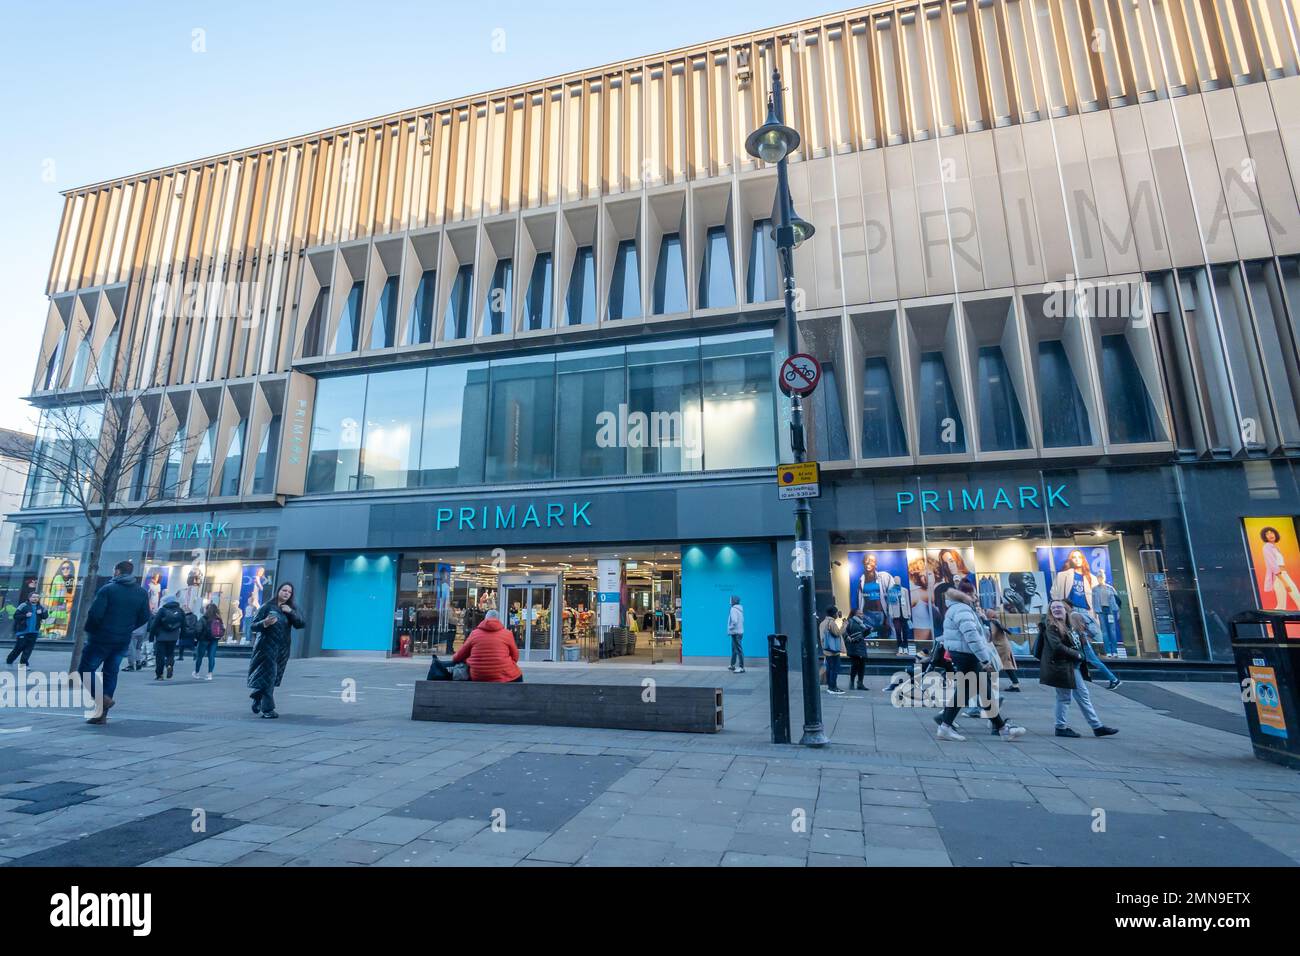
460, 672
438, 670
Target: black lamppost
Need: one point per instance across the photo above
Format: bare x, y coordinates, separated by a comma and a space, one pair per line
773, 142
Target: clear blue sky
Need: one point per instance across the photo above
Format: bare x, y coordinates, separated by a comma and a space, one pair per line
95, 90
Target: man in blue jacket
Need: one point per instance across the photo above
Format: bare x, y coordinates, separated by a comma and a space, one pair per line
27, 627
120, 607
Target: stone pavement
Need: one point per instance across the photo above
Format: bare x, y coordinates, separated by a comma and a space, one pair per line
356, 782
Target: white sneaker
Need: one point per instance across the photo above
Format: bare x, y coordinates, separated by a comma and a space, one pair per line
947, 733
1011, 732
196, 676
209, 677
740, 670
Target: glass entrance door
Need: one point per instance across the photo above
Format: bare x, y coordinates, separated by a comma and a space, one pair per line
530, 609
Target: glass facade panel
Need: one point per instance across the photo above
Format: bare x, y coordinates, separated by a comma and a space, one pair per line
1130, 416
738, 402
336, 434
537, 307
171, 473
264, 468
201, 473
383, 332
1278, 347
717, 279
591, 401
580, 303
625, 286
390, 447
496, 310
664, 428
670, 277
315, 330
940, 416
830, 440
1002, 426
455, 425
1065, 418
521, 426
456, 321
763, 283
420, 329
882, 425
349, 331
234, 461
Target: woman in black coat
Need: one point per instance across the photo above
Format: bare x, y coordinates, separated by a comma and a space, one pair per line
1062, 666
271, 649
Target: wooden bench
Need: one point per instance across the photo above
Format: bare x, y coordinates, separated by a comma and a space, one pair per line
691, 710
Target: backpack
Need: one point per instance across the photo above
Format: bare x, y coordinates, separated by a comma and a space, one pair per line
216, 629
190, 627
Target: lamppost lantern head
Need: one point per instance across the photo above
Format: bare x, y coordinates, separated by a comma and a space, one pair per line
801, 230
773, 141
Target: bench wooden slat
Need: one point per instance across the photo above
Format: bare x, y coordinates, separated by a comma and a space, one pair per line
613, 706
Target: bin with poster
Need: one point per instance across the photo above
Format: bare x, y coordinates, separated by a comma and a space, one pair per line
1268, 668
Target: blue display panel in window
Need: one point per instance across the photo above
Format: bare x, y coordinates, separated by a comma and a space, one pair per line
625, 285
537, 304
383, 331
580, 303
941, 429
1001, 423
1130, 416
670, 276
1065, 417
456, 321
420, 328
882, 425
349, 330
717, 279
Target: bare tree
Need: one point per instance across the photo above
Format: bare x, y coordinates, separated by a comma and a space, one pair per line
103, 455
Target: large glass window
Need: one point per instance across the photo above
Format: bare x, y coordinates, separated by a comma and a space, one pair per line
580, 304
1241, 353
264, 467
171, 475
739, 409
1065, 418
625, 286
66, 445
763, 282
455, 425
538, 305
717, 279
234, 462
521, 427
349, 330
107, 356
456, 321
941, 429
336, 433
390, 450
420, 329
1130, 415
591, 401
882, 425
663, 385
1278, 346
383, 332
201, 473
1001, 424
670, 276
496, 310
311, 338
830, 439
55, 364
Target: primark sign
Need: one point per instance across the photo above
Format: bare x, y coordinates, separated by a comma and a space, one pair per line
515, 515
978, 499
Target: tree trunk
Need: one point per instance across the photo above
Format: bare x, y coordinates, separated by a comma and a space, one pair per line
84, 597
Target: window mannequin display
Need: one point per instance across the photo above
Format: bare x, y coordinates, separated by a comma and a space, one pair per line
1277, 578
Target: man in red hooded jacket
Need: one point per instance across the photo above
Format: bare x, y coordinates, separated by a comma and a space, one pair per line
491, 652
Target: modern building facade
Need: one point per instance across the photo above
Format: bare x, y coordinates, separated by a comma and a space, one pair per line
519, 349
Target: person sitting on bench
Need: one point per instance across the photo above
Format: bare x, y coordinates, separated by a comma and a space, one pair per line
491, 652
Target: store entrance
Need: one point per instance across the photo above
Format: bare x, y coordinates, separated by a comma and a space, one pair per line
528, 606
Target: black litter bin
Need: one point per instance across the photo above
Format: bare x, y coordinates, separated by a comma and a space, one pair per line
1266, 647
778, 687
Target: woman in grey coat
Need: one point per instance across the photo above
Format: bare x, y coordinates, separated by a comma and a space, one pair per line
271, 650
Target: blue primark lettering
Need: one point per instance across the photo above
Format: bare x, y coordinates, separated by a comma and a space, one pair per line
904, 498
1028, 493
972, 504
505, 519
1056, 494
467, 516
554, 512
1002, 499
530, 515
444, 514
951, 507
929, 499
581, 513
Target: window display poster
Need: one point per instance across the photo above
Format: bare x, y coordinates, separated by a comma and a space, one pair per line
156, 578
1074, 571
254, 584
60, 588
862, 563
1023, 592
1275, 561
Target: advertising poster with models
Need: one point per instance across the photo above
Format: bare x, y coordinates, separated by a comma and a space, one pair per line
873, 573
1073, 572
1275, 562
254, 584
60, 588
